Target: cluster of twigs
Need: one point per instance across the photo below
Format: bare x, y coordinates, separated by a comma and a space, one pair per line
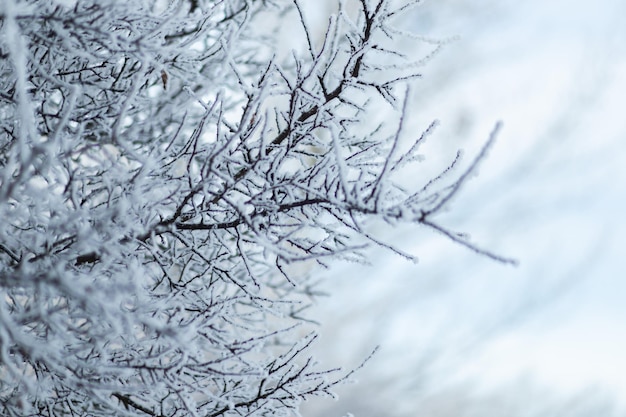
164, 183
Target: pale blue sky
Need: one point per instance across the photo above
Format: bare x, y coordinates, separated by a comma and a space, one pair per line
552, 193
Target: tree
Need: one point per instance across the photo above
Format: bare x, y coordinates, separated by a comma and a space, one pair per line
164, 175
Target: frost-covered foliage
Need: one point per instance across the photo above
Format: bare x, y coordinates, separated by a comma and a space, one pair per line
165, 177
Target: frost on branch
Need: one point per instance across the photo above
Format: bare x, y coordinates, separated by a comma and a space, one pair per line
162, 176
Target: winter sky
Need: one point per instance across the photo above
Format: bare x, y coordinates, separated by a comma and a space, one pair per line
552, 194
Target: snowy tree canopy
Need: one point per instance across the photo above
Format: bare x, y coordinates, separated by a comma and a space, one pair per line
167, 176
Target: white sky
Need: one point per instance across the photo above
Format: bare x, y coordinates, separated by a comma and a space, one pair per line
552, 194
554, 70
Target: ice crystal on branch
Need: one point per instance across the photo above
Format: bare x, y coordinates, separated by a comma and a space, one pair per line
162, 174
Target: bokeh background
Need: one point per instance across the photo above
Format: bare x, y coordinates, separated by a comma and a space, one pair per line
459, 334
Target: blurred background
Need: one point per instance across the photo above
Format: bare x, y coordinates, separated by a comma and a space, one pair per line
459, 334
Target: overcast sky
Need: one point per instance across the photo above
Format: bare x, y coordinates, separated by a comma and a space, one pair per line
552, 193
